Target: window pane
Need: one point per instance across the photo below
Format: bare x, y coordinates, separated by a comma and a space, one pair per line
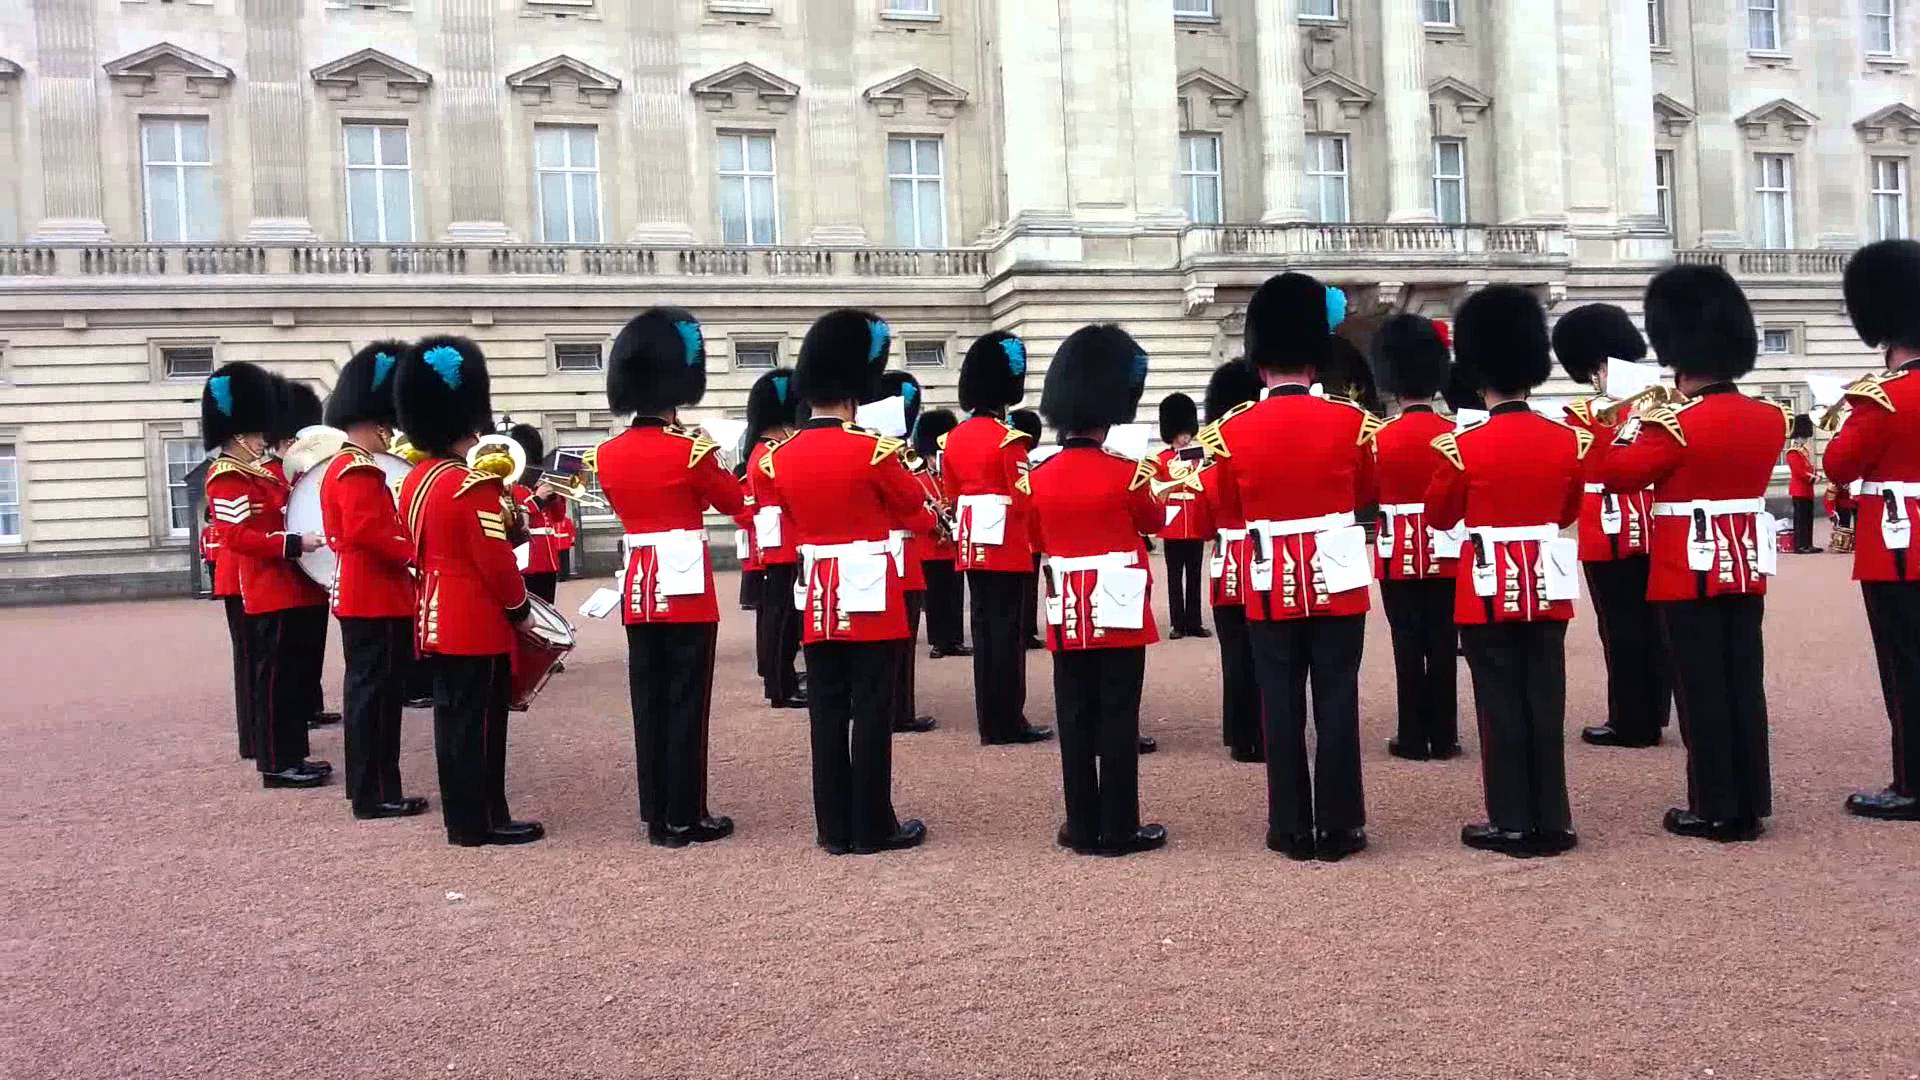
932, 225
163, 203
393, 145
203, 210
733, 211
760, 153
904, 221
549, 146
1450, 158
586, 208
1449, 205
764, 231
585, 147
732, 157
1207, 200
899, 157
359, 145
553, 207
363, 213
193, 141
159, 140
1206, 157
398, 201
929, 156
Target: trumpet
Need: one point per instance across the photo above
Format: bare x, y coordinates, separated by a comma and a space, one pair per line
1651, 398
936, 501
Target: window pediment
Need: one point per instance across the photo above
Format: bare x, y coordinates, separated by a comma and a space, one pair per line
1466, 101
139, 74
1331, 97
942, 98
368, 72
9, 74
1673, 117
1776, 118
745, 85
555, 79
1224, 95
1898, 121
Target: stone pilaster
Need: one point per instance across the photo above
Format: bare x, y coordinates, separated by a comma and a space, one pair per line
833, 134
1032, 116
276, 121
1721, 150
660, 119
1283, 131
1633, 134
469, 97
66, 106
1155, 115
1529, 151
1839, 202
1403, 51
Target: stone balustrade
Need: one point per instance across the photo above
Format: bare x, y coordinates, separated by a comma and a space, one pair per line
1308, 242
1755, 262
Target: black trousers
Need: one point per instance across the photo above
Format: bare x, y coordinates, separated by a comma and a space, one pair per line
1030, 604
1893, 615
543, 585
1520, 696
753, 588
670, 686
1802, 524
315, 664
903, 684
1426, 664
1639, 677
284, 653
470, 695
1324, 652
238, 639
849, 706
1843, 517
776, 633
1097, 694
946, 606
999, 650
1239, 690
565, 559
1719, 673
1186, 573
379, 655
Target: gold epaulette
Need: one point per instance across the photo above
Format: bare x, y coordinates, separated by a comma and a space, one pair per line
1143, 473
942, 440
1872, 388
591, 459
1012, 436
357, 459
703, 444
884, 447
476, 477
1213, 438
1786, 414
1582, 442
1448, 444
1668, 417
1581, 409
223, 466
1370, 426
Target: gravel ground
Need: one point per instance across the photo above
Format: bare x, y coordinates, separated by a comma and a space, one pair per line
167, 917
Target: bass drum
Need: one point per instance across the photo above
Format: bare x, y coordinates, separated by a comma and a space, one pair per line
303, 514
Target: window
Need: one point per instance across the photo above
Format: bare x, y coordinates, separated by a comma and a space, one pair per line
1881, 18
748, 189
1440, 12
1326, 193
911, 7
177, 159
9, 494
756, 354
567, 163
1320, 9
181, 456
379, 184
1763, 26
579, 442
1890, 198
1450, 181
186, 361
1773, 200
1663, 188
1657, 23
1200, 178
914, 183
577, 356
1193, 9
1776, 341
926, 354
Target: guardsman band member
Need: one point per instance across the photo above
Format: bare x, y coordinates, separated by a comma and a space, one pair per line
753, 572
225, 569
1801, 474
471, 594
563, 537
772, 410
1027, 422
372, 593
920, 546
1191, 524
1089, 509
539, 505
1879, 448
1710, 462
1416, 561
1233, 384
946, 589
660, 478
298, 409
1351, 377
1614, 533
237, 415
1296, 467
1514, 480
983, 460
845, 491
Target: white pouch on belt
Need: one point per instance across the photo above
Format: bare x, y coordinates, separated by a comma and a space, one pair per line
1383, 536
1898, 535
1120, 598
1611, 519
1260, 571
1703, 543
1486, 578
1560, 565
1448, 543
1056, 609
1766, 544
1172, 512
680, 565
1343, 558
987, 521
862, 588
766, 527
1217, 565
742, 545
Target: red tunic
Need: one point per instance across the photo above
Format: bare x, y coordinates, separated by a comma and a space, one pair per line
1296, 467
250, 510
984, 459
844, 491
469, 582
563, 530
660, 479
1799, 473
542, 556
1879, 446
1404, 464
1515, 479
1191, 515
364, 530
767, 508
226, 567
1719, 447
1227, 568
1089, 508
1634, 531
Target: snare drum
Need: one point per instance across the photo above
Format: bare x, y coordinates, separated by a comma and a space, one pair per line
541, 641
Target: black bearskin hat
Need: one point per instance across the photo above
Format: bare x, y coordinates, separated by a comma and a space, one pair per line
994, 374
1881, 285
1178, 416
927, 433
364, 391
1026, 422
296, 406
904, 386
239, 399
1095, 379
659, 362
1232, 384
1700, 322
1463, 390
842, 357
1802, 426
1348, 375
1410, 358
772, 403
1500, 335
1290, 323
1585, 337
442, 394
529, 439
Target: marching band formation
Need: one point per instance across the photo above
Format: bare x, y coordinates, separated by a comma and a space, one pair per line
437, 550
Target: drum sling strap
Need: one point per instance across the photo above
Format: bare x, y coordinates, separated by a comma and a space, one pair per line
418, 507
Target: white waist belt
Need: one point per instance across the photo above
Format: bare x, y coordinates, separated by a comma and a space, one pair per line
655, 539
1231, 535
1515, 534
842, 551
1595, 489
539, 532
1403, 509
979, 500
1899, 489
1301, 526
1072, 564
1711, 507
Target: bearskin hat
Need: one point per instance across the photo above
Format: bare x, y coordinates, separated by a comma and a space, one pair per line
1410, 357
441, 393
1348, 375
1700, 322
771, 403
239, 399
1178, 416
530, 440
927, 433
296, 406
1585, 337
659, 363
1095, 379
1881, 283
1802, 426
1500, 334
1026, 422
1290, 323
842, 356
994, 374
1463, 390
364, 391
1231, 384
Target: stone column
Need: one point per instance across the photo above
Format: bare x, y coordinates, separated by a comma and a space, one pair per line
66, 105
1720, 147
469, 94
1152, 74
1283, 130
833, 133
1032, 119
1834, 216
1403, 48
275, 86
1633, 133
1529, 151
660, 118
